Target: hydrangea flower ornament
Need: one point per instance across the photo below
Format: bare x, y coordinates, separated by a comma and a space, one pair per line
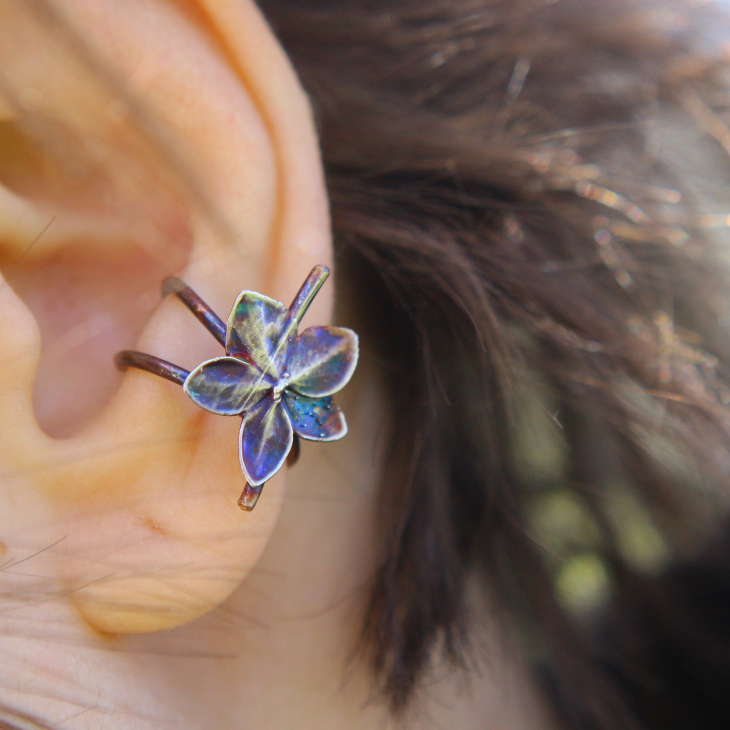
278, 380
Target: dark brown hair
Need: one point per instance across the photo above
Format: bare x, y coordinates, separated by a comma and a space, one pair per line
519, 199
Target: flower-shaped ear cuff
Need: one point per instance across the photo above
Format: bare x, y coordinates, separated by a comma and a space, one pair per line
280, 382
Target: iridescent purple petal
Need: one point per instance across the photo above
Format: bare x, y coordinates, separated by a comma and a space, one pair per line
266, 438
316, 419
256, 326
225, 385
321, 360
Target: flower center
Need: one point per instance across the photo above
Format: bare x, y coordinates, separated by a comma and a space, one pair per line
280, 386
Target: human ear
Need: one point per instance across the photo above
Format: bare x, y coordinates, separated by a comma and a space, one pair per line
141, 139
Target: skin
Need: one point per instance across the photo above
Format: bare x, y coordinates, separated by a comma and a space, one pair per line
146, 598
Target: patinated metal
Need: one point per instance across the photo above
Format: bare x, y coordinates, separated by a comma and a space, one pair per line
150, 363
279, 381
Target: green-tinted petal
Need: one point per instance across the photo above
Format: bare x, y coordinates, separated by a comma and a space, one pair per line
316, 419
256, 326
225, 385
321, 360
266, 438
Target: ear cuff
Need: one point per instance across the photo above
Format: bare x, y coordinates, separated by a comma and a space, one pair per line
279, 381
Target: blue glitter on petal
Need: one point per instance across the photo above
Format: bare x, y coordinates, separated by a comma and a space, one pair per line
315, 419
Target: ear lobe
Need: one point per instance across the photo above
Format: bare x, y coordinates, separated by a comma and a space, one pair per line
145, 492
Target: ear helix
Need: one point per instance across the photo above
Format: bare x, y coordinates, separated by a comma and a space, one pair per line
143, 484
